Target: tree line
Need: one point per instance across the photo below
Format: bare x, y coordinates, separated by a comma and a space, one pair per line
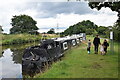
87, 27
25, 24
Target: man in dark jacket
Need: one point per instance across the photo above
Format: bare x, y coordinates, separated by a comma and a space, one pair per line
96, 43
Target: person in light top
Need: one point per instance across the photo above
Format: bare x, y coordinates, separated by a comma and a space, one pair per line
102, 52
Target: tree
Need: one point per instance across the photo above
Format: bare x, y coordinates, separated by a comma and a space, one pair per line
81, 27
23, 24
51, 31
89, 25
1, 29
90, 31
114, 6
102, 30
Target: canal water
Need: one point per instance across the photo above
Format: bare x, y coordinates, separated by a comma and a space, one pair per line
11, 60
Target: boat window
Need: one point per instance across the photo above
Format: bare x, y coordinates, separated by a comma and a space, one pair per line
73, 42
65, 45
77, 40
57, 44
81, 39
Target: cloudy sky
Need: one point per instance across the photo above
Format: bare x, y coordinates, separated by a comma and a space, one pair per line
48, 13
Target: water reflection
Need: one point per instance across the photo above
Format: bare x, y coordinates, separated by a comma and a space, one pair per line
8, 66
11, 60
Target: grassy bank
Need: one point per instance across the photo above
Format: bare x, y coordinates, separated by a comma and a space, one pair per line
78, 64
20, 38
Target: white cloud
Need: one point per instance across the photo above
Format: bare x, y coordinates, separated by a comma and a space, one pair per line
104, 17
66, 20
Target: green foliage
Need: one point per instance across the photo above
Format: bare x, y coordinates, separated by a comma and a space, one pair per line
23, 24
94, 33
18, 38
89, 25
102, 30
51, 31
114, 6
21, 38
34, 33
90, 31
90, 28
81, 27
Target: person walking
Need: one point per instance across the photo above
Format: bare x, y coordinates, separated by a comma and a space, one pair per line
96, 43
106, 44
89, 45
102, 52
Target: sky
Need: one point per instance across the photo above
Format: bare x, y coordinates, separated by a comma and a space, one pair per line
50, 13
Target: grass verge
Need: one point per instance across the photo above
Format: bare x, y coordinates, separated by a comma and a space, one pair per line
20, 38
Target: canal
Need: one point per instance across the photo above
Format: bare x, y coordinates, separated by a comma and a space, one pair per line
11, 60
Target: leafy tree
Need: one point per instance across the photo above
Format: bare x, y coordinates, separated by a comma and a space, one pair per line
102, 30
23, 24
114, 6
89, 24
95, 32
51, 31
1, 29
81, 27
34, 32
90, 31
